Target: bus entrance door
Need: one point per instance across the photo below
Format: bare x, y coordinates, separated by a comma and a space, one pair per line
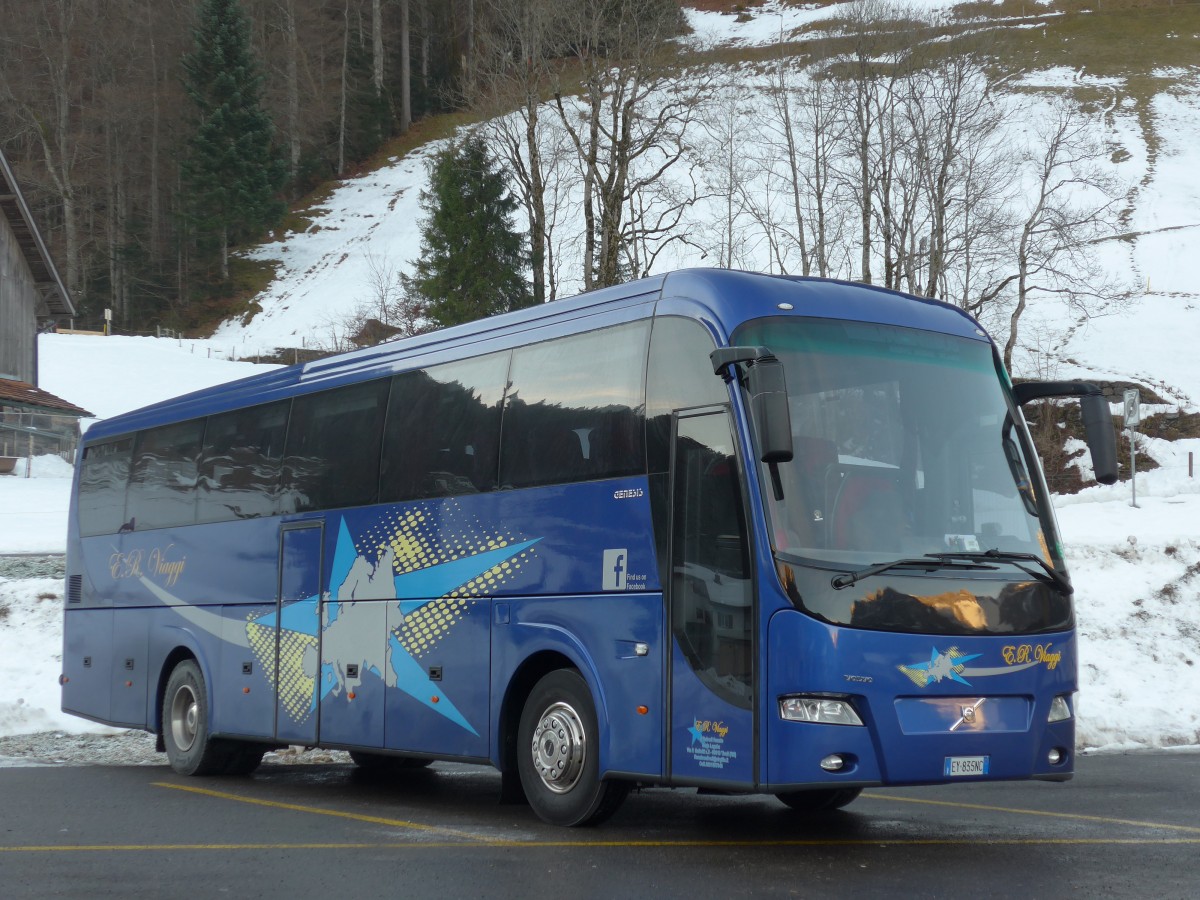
711, 610
298, 633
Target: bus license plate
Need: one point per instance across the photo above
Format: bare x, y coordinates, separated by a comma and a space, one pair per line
966, 765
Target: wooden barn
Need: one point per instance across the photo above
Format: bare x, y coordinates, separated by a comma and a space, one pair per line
32, 299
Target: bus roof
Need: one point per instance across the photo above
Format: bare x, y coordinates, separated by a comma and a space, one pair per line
724, 298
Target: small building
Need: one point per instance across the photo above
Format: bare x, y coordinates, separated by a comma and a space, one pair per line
34, 422
33, 299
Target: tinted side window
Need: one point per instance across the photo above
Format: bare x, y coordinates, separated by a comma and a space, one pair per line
332, 455
443, 430
162, 484
102, 483
574, 411
239, 465
680, 376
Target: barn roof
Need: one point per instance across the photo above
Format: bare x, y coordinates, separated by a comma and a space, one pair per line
25, 395
15, 211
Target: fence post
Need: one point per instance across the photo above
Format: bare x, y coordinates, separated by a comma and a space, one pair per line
1189, 464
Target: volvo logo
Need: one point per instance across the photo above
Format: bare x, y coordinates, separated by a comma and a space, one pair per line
968, 715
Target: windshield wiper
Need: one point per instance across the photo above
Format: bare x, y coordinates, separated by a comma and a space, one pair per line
929, 562
1048, 574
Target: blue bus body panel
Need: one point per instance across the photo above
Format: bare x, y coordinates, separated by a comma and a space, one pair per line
599, 634
711, 739
912, 691
88, 672
735, 297
244, 700
400, 613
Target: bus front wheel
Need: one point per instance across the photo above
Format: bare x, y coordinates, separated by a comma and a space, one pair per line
190, 750
557, 754
823, 798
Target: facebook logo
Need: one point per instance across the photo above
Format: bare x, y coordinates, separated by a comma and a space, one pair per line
614, 571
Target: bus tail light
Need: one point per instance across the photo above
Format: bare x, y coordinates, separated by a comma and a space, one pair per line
1060, 709
824, 710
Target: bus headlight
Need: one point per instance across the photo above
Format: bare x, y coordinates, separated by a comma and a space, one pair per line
825, 710
1060, 709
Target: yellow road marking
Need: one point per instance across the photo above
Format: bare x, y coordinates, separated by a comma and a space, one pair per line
316, 810
469, 839
1107, 820
880, 843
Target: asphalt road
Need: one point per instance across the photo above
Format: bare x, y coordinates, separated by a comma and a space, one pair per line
1127, 826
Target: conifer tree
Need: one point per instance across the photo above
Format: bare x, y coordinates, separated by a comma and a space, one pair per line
233, 173
472, 262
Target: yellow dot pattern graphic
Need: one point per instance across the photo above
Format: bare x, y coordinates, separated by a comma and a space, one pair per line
424, 627
420, 537
296, 685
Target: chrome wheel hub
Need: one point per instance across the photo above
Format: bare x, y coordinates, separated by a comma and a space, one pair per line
559, 748
185, 716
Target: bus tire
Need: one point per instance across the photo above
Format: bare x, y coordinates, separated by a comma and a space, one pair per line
557, 758
244, 758
822, 798
190, 750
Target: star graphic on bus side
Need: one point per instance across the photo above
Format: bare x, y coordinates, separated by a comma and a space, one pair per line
945, 665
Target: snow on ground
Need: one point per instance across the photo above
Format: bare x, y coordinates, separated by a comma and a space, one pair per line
111, 375
767, 23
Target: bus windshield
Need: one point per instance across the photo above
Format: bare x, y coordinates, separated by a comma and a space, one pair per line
905, 444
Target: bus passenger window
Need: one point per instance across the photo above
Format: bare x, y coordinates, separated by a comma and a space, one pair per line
443, 430
680, 376
574, 410
239, 466
102, 483
162, 482
333, 442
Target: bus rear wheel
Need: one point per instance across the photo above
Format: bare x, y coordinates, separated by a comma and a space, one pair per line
823, 798
185, 720
557, 754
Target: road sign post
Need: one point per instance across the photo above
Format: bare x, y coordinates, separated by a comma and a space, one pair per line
1132, 418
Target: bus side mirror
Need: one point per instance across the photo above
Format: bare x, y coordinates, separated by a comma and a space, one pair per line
1097, 419
769, 410
1098, 431
769, 413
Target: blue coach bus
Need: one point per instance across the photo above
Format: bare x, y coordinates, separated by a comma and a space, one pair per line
709, 529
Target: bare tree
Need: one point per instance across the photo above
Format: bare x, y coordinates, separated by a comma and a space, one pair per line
727, 182
1072, 205
867, 96
514, 76
628, 129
